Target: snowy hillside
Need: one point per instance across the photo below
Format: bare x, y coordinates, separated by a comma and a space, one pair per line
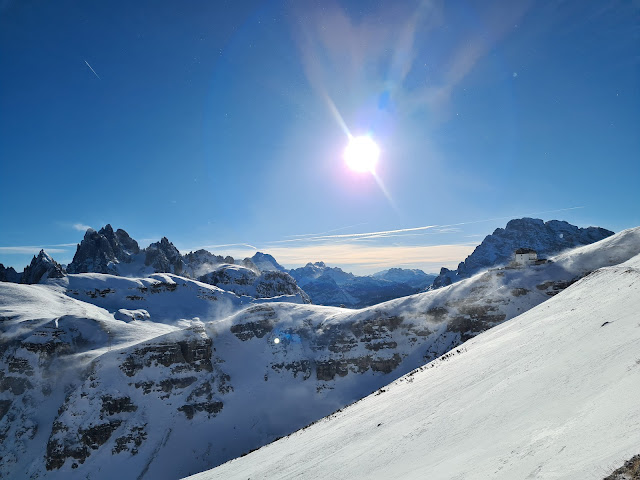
107, 374
551, 394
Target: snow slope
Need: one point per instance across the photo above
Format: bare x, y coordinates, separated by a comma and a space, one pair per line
165, 376
550, 394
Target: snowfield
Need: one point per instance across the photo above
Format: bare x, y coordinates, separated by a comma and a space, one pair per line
163, 376
551, 394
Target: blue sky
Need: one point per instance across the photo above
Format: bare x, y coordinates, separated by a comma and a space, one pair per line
220, 123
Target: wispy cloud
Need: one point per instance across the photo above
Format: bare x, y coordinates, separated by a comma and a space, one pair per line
31, 250
356, 235
339, 53
81, 227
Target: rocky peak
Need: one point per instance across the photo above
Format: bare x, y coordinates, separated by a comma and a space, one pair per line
8, 274
320, 271
546, 238
164, 257
100, 251
266, 263
41, 268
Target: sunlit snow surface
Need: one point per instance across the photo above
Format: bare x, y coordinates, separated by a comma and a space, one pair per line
108, 319
551, 394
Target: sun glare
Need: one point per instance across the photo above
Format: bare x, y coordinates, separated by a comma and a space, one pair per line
361, 154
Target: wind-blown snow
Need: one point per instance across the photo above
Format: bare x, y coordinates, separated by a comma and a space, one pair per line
550, 394
185, 375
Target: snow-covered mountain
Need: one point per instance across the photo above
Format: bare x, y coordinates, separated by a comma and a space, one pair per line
550, 394
334, 287
266, 263
164, 376
246, 281
413, 277
41, 268
546, 238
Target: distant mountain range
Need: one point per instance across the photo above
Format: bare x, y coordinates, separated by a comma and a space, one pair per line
115, 253
333, 286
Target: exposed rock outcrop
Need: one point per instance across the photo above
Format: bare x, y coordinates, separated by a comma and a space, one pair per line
8, 274
546, 238
101, 251
41, 268
164, 257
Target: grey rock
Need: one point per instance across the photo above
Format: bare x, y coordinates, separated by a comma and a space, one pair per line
8, 274
546, 238
100, 252
164, 257
41, 268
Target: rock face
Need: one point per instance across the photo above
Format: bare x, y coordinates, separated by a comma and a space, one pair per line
546, 238
8, 274
164, 257
100, 252
335, 287
41, 268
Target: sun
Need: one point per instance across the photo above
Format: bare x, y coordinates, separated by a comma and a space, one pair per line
361, 154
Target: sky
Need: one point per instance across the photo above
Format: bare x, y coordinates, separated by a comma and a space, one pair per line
223, 124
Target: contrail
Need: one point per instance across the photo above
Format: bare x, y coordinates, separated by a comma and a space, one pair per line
94, 72
402, 231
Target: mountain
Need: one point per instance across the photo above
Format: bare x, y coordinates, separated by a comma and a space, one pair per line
163, 376
163, 256
102, 251
266, 263
413, 277
546, 238
42, 268
201, 262
116, 253
335, 287
9, 274
549, 394
245, 281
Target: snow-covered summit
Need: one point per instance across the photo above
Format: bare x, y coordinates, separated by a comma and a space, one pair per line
546, 238
41, 268
266, 263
